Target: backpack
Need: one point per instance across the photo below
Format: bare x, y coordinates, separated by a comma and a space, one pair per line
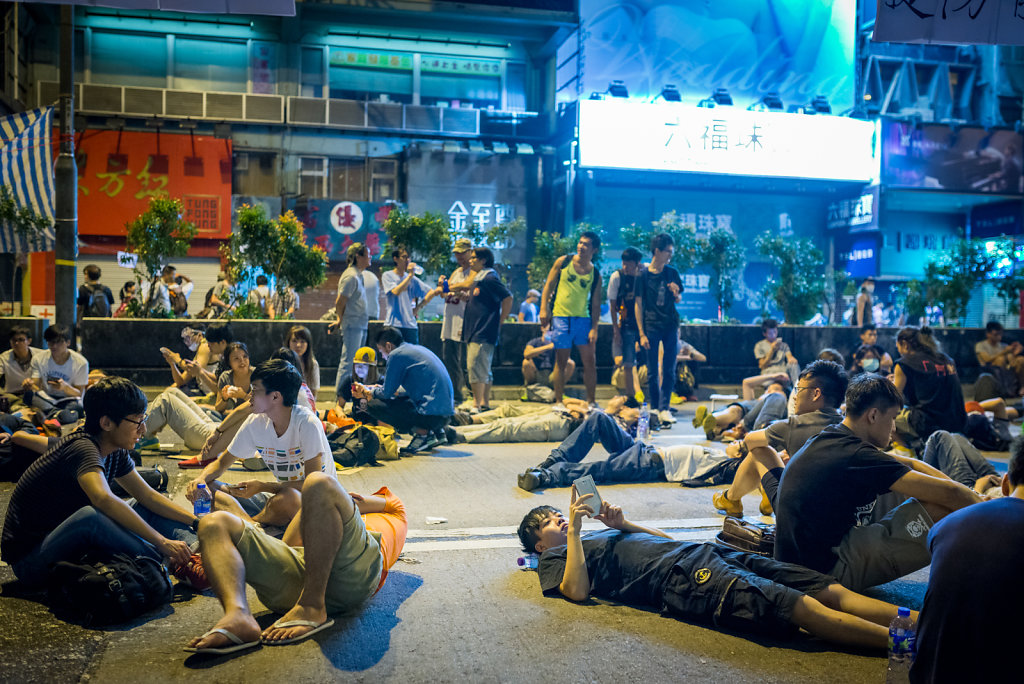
99, 305
179, 302
111, 591
356, 448
388, 450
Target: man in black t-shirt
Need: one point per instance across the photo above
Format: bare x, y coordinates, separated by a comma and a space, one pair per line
819, 393
643, 566
94, 298
622, 287
62, 507
658, 288
826, 495
489, 304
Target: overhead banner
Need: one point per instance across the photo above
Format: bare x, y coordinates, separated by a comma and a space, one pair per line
855, 214
671, 137
963, 160
334, 224
119, 171
962, 22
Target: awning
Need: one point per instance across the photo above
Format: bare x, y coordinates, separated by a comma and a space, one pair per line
26, 167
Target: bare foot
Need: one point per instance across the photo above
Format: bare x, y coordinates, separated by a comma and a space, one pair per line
242, 625
314, 615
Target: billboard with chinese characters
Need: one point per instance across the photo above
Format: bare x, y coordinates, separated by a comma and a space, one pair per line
965, 22
935, 156
483, 189
625, 134
118, 171
334, 224
855, 214
796, 48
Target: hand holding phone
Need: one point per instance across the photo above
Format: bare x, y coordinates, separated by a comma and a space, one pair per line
586, 485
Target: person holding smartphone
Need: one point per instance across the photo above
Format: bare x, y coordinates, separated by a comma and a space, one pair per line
645, 567
59, 372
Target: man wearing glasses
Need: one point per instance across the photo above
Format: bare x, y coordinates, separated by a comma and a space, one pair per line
62, 507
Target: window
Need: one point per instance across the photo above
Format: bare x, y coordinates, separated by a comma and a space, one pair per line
312, 72
377, 76
313, 176
131, 60
210, 65
383, 180
255, 174
348, 179
460, 82
515, 87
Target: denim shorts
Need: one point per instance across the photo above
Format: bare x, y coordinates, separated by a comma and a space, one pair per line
567, 331
627, 349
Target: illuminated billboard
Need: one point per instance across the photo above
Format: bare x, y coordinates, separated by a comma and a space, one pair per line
624, 134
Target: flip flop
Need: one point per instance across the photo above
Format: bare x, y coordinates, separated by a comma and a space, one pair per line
238, 644
327, 624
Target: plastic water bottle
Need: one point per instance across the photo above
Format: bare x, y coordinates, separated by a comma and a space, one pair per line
643, 424
902, 647
528, 562
201, 506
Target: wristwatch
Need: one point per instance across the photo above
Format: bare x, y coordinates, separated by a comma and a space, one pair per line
195, 524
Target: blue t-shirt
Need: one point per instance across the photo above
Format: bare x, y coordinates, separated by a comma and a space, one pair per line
529, 312
400, 313
973, 602
422, 376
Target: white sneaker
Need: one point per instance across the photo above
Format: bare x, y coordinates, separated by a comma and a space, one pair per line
666, 417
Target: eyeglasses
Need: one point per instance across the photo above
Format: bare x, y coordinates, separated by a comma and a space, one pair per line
140, 425
806, 387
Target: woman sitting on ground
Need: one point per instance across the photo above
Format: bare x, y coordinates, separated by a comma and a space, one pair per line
865, 360
930, 386
300, 341
233, 384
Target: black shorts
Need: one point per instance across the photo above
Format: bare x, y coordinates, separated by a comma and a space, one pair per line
741, 591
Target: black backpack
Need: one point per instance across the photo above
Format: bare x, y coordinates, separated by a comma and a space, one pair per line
99, 305
355, 448
179, 302
111, 591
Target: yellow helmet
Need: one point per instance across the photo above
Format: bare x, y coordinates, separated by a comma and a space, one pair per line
366, 355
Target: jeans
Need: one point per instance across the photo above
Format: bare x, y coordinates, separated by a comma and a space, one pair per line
658, 397
764, 411
954, 455
87, 530
453, 355
545, 426
352, 338
400, 413
410, 335
175, 409
629, 461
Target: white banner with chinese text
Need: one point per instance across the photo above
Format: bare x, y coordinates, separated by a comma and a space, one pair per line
960, 22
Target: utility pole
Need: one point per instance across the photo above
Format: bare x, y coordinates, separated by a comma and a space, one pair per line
66, 180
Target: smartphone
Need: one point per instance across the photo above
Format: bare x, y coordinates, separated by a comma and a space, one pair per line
586, 485
54, 379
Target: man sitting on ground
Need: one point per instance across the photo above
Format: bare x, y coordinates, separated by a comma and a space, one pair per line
428, 400
327, 562
730, 589
539, 361
289, 438
62, 507
819, 394
976, 562
826, 509
774, 360
59, 372
16, 364
994, 353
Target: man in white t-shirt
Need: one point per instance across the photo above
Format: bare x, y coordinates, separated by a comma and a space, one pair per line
290, 440
453, 349
59, 372
16, 362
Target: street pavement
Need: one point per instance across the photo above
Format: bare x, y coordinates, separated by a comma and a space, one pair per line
455, 607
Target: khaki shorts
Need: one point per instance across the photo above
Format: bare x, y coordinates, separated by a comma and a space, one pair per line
894, 546
276, 570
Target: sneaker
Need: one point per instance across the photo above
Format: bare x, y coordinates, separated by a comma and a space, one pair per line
765, 507
727, 505
709, 425
147, 443
676, 399
666, 416
194, 462
254, 463
534, 478
639, 396
420, 443
701, 415
192, 574
454, 436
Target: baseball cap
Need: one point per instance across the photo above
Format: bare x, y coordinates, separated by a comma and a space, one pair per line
462, 245
365, 355
532, 293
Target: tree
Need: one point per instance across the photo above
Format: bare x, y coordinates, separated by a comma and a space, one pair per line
157, 235
950, 278
427, 237
24, 220
688, 249
800, 285
547, 247
723, 254
274, 247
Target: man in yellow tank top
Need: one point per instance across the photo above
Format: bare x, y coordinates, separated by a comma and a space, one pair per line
571, 302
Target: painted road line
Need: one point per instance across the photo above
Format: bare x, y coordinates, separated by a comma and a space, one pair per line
672, 524
512, 542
